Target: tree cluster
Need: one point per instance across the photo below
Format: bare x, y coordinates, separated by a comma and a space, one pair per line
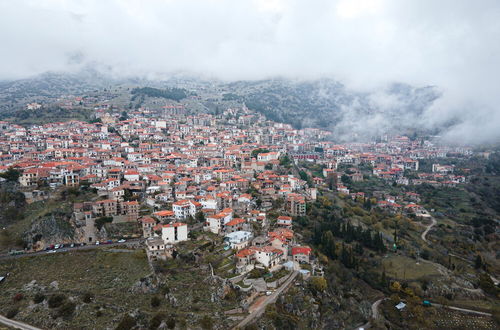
349, 233
175, 94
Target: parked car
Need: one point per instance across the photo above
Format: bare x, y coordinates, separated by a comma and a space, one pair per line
57, 246
122, 240
108, 241
97, 243
72, 245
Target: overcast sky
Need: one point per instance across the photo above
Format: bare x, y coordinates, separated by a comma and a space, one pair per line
452, 44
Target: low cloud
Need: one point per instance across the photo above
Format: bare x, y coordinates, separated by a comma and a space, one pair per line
366, 44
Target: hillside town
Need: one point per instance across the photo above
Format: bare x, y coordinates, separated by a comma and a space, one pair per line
257, 204
171, 172
249, 165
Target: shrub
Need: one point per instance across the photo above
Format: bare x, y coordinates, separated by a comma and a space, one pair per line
56, 300
156, 321
318, 284
18, 297
486, 283
171, 322
67, 309
206, 322
252, 326
87, 297
155, 302
127, 323
425, 254
38, 298
12, 313
100, 222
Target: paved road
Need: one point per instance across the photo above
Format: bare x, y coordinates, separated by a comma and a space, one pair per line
16, 324
269, 299
424, 234
66, 249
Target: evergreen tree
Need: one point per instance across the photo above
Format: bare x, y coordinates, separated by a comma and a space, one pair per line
358, 249
367, 204
328, 244
200, 216
478, 262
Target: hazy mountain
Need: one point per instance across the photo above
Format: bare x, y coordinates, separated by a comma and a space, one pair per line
328, 104
323, 103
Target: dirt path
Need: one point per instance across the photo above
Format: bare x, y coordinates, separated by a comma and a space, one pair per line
375, 314
424, 234
463, 310
260, 305
16, 324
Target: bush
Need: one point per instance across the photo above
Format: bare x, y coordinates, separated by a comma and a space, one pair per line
252, 326
155, 302
88, 297
100, 222
171, 322
18, 297
127, 323
38, 298
486, 284
256, 273
56, 300
156, 321
67, 309
206, 322
318, 284
12, 313
425, 254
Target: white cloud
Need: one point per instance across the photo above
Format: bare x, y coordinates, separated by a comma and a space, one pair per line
452, 44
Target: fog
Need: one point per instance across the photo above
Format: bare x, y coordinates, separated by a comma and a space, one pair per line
365, 44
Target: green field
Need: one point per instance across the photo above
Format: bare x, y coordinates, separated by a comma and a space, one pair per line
405, 268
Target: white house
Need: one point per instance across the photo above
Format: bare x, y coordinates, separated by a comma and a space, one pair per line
131, 175
209, 203
174, 232
284, 221
215, 223
184, 208
267, 156
238, 239
268, 256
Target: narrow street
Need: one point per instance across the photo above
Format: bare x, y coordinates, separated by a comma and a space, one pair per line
257, 311
129, 243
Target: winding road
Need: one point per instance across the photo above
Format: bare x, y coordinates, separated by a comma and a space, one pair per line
374, 314
268, 300
131, 242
